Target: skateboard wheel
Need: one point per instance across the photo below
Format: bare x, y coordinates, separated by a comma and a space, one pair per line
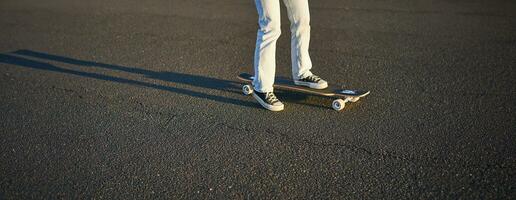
338, 104
354, 99
247, 89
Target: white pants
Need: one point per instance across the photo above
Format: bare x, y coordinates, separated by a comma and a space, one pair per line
269, 32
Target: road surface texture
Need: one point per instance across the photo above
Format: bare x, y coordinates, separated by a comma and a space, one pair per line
139, 99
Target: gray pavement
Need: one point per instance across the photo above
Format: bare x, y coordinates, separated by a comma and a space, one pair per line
138, 99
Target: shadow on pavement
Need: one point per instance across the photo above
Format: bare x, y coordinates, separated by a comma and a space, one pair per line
193, 80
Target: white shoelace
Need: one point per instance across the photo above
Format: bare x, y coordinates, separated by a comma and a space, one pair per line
270, 97
313, 78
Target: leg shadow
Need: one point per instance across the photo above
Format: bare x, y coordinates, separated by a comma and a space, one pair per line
174, 77
198, 81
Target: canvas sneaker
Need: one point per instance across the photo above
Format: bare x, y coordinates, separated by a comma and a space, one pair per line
312, 81
268, 100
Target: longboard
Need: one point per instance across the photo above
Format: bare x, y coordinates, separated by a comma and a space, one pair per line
342, 96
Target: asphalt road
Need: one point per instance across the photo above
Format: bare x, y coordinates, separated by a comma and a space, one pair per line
139, 99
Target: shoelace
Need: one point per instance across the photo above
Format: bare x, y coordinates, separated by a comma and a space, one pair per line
313, 78
270, 97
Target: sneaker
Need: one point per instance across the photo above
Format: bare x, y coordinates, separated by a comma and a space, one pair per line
312, 81
268, 100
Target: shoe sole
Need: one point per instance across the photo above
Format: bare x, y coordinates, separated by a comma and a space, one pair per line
312, 85
268, 106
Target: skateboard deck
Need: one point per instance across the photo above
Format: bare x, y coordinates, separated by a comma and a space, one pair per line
342, 95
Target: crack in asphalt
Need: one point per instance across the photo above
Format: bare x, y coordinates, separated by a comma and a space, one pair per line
223, 124
171, 118
68, 91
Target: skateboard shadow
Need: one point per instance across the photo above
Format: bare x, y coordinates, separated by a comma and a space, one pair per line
14, 58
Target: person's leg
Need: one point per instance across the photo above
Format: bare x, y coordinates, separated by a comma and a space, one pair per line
299, 16
265, 52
